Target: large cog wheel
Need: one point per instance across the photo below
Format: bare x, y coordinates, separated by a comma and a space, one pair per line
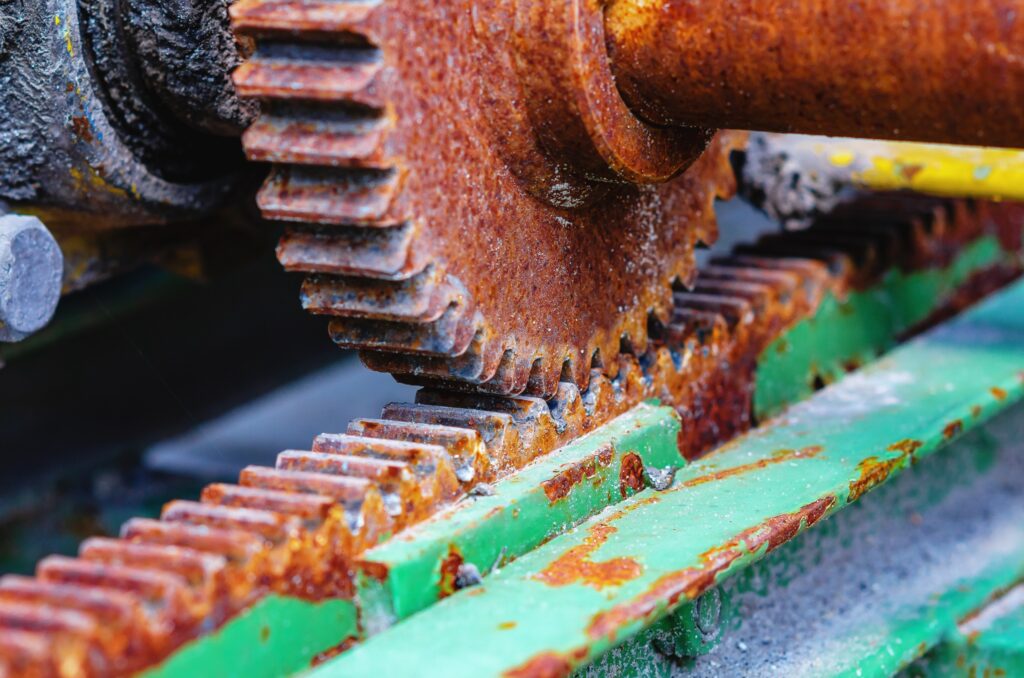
473, 205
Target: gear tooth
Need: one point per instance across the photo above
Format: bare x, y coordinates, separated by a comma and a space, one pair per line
200, 570
274, 527
237, 545
312, 72
110, 608
33, 653
314, 137
464, 446
430, 466
311, 508
530, 415
475, 367
333, 16
364, 507
497, 429
568, 411
449, 335
420, 299
382, 253
738, 312
544, 377
46, 618
163, 595
329, 195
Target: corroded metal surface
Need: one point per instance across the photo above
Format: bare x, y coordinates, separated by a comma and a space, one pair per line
468, 206
942, 70
91, 138
550, 612
298, 529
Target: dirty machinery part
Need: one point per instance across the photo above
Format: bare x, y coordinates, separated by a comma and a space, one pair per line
118, 112
298, 529
477, 204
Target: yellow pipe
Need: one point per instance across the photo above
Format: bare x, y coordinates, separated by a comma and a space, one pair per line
955, 171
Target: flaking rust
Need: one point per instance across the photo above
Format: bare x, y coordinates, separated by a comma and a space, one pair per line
298, 529
459, 216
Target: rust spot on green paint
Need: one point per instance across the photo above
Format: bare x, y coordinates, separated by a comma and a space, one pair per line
575, 564
777, 457
907, 447
953, 429
506, 625
449, 571
546, 665
571, 475
378, 571
975, 411
690, 583
631, 475
264, 633
874, 471
333, 652
997, 393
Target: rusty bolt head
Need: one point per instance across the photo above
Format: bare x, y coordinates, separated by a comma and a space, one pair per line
31, 271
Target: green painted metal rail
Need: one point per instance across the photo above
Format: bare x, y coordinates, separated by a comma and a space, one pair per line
565, 603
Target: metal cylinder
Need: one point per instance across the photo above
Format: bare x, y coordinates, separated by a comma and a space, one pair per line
925, 70
31, 270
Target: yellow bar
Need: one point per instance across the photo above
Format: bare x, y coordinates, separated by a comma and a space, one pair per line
956, 171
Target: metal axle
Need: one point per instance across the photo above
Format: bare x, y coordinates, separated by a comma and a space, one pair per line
939, 70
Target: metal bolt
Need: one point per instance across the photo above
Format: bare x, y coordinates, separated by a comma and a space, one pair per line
31, 272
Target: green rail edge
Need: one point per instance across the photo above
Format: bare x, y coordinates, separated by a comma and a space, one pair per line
519, 517
565, 603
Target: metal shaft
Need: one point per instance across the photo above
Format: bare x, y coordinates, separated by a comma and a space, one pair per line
925, 70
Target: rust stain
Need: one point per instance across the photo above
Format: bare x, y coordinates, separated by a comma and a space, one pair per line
908, 447
997, 393
80, 126
568, 477
631, 475
546, 665
777, 457
667, 590
975, 411
449, 571
953, 429
506, 625
575, 564
874, 471
333, 652
264, 633
374, 570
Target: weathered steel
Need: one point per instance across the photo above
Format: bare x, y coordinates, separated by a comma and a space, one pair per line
442, 190
310, 528
943, 71
31, 270
541, 615
86, 143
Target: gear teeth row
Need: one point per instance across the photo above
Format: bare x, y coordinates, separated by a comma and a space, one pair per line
326, 129
299, 528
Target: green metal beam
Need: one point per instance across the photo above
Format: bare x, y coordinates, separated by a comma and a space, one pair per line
567, 602
854, 330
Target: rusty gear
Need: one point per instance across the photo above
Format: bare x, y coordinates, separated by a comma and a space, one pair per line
453, 232
299, 528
